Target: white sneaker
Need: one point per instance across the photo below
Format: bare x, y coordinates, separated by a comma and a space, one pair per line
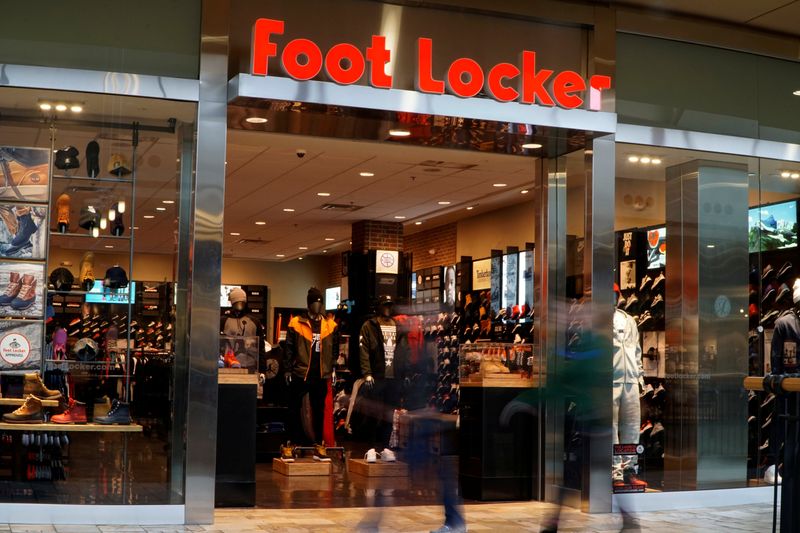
769, 476
371, 456
388, 456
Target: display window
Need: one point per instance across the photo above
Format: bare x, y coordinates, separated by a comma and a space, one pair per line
88, 333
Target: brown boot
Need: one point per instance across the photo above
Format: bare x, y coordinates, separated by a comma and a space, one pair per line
12, 289
28, 413
35, 386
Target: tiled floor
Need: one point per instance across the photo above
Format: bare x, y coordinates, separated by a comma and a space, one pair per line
508, 517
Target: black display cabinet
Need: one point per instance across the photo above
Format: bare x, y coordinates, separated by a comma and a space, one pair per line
498, 444
236, 440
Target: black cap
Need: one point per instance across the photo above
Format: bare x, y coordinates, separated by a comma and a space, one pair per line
385, 299
314, 295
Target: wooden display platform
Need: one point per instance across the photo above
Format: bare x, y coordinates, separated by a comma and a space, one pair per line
380, 483
20, 401
304, 483
301, 467
236, 376
77, 428
379, 469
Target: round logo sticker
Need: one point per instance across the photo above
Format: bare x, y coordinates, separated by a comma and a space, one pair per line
640, 449
15, 348
387, 260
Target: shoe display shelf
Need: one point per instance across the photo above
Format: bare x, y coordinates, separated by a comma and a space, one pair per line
73, 428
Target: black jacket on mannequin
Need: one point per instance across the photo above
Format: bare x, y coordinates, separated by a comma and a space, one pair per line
372, 355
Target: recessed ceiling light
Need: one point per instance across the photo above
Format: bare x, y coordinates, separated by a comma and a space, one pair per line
135, 227
397, 132
655, 161
161, 208
795, 175
470, 208
417, 223
261, 223
76, 108
499, 184
299, 258
288, 210
235, 234
302, 247
645, 160
399, 217
796, 93
323, 194
531, 146
329, 239
44, 106
109, 245
710, 246
524, 191
785, 174
61, 107
168, 202
633, 159
324, 251
280, 255
366, 174
149, 216
444, 203
255, 120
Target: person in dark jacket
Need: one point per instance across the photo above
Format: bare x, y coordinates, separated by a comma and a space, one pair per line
383, 351
309, 353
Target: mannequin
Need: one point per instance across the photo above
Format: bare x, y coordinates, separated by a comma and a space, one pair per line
244, 332
309, 356
384, 362
628, 383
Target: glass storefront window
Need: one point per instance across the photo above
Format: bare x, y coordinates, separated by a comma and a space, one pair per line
88, 249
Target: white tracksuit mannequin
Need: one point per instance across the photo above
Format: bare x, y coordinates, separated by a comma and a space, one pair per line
628, 377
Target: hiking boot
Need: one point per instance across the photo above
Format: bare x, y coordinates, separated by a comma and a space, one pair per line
321, 453
120, 413
287, 452
26, 227
101, 407
29, 412
27, 293
33, 385
87, 271
12, 289
62, 213
75, 413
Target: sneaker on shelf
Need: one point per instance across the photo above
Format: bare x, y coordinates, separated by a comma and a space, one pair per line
371, 456
388, 456
287, 452
657, 300
658, 280
632, 300
621, 301
645, 281
633, 479
645, 318
645, 427
768, 400
769, 476
321, 453
231, 361
659, 390
648, 389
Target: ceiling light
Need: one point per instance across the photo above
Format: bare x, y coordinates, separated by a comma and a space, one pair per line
710, 246
260, 223
61, 107
109, 245
785, 174
470, 208
645, 160
255, 120
95, 232
655, 161
76, 108
524, 191
418, 223
161, 208
288, 210
280, 255
121, 206
149, 216
299, 258
235, 234
366, 174
103, 222
324, 251
633, 159
168, 202
44, 106
796, 93
323, 194
499, 184
399, 217
795, 175
531, 146
444, 203
112, 214
135, 227
302, 247
588, 151
397, 132
329, 239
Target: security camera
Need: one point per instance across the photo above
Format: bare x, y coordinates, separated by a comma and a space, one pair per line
300, 153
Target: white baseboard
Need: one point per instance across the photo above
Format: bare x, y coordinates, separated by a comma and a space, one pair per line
664, 501
38, 513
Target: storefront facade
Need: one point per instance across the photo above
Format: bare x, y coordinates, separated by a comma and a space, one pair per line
618, 161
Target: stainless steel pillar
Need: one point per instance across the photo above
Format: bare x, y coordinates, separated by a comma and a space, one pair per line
706, 355
206, 264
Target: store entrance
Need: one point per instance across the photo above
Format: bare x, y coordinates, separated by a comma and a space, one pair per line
419, 233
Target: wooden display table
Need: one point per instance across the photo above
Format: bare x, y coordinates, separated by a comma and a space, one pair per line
380, 483
378, 469
301, 467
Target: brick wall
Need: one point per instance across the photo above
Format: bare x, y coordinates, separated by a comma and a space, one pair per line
442, 239
377, 235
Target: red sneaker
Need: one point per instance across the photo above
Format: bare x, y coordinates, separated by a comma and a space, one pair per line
634, 481
231, 361
75, 413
